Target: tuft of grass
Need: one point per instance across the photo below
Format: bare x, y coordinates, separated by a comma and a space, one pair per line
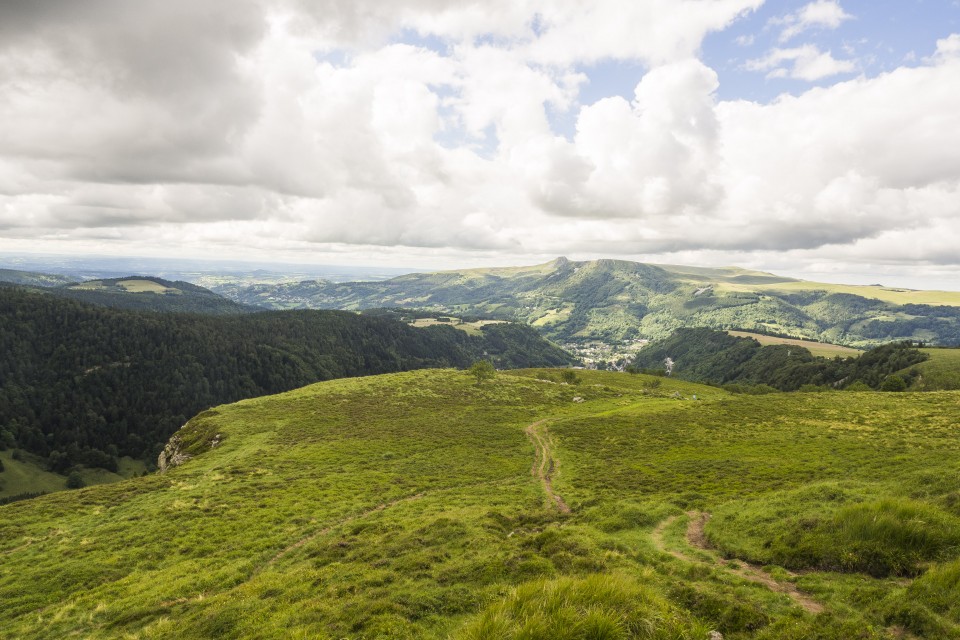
612, 607
829, 529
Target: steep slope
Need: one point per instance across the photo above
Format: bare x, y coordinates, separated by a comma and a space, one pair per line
615, 300
422, 505
83, 384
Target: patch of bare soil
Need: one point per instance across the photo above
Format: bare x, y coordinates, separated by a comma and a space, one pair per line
544, 464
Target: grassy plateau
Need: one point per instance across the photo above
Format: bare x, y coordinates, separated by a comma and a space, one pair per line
536, 505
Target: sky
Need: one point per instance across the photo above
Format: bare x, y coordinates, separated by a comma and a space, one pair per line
815, 139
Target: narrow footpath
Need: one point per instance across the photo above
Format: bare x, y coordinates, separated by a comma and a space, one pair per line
544, 464
748, 571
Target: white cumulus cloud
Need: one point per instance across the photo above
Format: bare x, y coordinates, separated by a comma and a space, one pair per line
820, 14
802, 63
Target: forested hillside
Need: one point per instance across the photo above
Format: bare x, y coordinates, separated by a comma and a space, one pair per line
705, 355
34, 279
84, 384
149, 293
617, 300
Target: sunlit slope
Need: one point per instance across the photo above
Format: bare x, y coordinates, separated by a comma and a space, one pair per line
420, 505
940, 372
614, 300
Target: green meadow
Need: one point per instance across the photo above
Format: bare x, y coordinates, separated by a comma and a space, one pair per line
533, 506
940, 372
818, 349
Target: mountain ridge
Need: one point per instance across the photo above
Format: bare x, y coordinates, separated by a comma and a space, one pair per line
617, 300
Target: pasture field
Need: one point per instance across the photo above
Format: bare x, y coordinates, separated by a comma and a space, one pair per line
887, 294
133, 285
30, 475
941, 372
424, 505
471, 328
819, 349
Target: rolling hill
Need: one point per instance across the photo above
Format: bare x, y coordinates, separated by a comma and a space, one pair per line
34, 278
422, 505
81, 384
614, 301
149, 293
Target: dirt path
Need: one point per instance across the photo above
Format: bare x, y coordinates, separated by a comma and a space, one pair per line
544, 464
746, 570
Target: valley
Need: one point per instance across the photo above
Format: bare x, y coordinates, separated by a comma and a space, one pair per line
426, 505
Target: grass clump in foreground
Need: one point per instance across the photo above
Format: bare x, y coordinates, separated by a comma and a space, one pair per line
891, 536
415, 505
612, 607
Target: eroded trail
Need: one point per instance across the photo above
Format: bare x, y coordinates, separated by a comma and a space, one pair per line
746, 570
544, 464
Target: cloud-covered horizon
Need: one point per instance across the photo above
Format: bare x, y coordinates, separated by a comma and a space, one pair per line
434, 128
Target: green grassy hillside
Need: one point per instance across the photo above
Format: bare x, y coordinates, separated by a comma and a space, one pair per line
940, 373
616, 300
423, 505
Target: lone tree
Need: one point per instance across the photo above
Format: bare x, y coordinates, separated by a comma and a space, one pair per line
482, 370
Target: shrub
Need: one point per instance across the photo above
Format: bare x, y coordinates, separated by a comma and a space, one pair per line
569, 376
893, 382
75, 481
482, 370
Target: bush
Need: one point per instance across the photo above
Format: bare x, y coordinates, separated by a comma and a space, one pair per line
75, 481
894, 382
569, 376
482, 370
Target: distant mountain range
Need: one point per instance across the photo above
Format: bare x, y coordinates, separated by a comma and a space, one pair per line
615, 300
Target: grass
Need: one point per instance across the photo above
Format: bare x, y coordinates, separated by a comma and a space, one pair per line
471, 328
404, 506
818, 349
887, 294
29, 474
134, 285
940, 373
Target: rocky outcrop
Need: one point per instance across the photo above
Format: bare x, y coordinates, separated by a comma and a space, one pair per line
194, 438
172, 455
